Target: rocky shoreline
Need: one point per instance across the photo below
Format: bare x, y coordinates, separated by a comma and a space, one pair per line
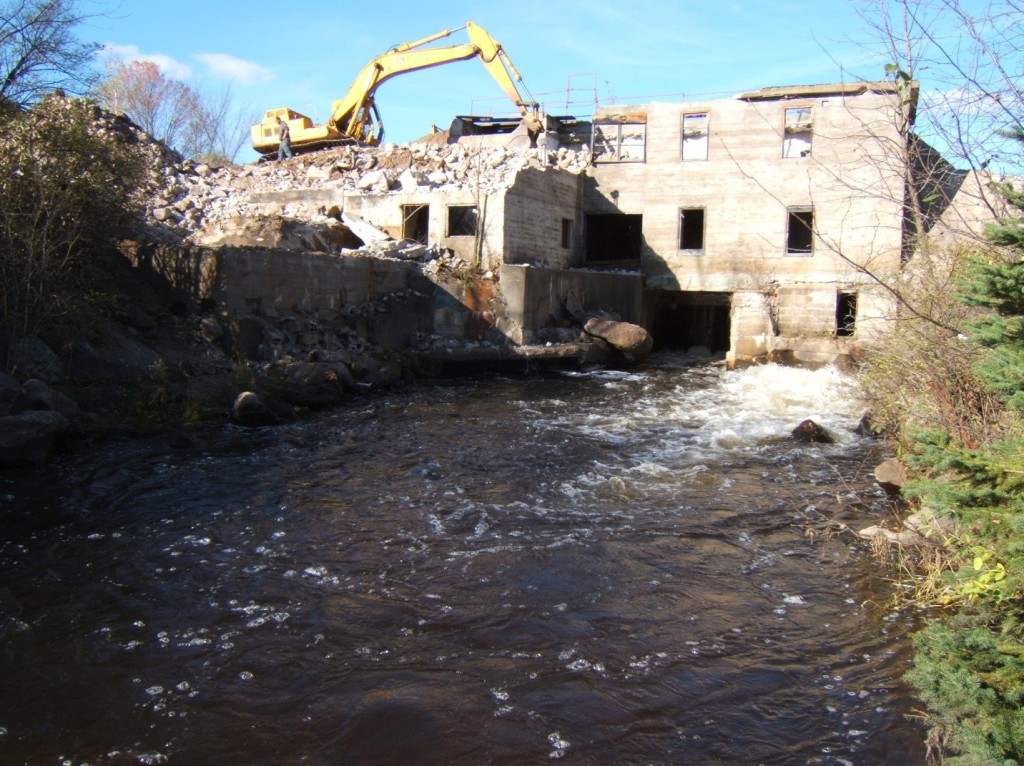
152, 359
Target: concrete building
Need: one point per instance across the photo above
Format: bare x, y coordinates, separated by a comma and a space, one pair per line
762, 226
759, 222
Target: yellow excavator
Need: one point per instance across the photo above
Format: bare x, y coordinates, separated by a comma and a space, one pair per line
354, 117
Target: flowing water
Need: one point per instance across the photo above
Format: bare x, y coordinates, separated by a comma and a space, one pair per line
605, 568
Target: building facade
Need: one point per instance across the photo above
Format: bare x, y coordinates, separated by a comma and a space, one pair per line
763, 223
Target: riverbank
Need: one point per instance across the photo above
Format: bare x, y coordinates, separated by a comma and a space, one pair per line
152, 362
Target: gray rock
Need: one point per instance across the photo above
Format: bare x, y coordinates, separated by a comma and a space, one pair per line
11, 396
212, 329
315, 173
410, 180
906, 537
866, 427
30, 436
33, 358
929, 524
891, 475
375, 181
37, 394
116, 356
311, 384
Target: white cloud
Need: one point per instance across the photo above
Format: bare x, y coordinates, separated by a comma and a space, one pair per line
169, 66
245, 72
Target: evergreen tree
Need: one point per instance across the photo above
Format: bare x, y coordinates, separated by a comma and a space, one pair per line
999, 286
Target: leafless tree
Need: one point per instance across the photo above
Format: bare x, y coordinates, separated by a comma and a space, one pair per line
956, 144
198, 126
39, 51
224, 128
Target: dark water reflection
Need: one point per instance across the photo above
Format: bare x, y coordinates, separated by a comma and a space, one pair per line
589, 569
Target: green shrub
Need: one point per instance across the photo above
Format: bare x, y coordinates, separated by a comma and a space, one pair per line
69, 183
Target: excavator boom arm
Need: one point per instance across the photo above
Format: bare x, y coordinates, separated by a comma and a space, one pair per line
354, 116
350, 114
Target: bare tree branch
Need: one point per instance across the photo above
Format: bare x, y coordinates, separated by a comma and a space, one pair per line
39, 52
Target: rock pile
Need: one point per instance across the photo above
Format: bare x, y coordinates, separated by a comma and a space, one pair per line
200, 204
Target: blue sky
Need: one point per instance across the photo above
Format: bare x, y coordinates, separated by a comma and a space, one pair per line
569, 52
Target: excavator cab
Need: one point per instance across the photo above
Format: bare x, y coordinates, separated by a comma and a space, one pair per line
268, 133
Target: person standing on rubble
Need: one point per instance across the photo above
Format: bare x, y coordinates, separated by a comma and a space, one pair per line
284, 146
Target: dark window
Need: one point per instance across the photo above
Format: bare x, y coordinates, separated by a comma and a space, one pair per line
799, 233
415, 220
691, 229
846, 314
463, 221
567, 228
613, 237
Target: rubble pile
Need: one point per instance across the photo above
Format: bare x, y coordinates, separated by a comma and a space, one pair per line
203, 205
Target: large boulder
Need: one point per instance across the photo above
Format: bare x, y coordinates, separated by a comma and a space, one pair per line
891, 475
32, 357
116, 357
313, 384
39, 396
812, 433
28, 437
629, 343
12, 398
249, 410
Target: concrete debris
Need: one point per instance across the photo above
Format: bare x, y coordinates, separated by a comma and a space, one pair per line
202, 205
367, 232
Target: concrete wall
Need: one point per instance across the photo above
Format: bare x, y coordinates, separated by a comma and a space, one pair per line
751, 332
808, 310
243, 281
534, 295
534, 209
804, 326
385, 211
253, 279
522, 224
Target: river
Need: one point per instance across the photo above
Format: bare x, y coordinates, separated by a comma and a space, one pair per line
601, 568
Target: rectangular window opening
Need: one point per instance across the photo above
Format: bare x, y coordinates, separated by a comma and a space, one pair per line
613, 238
846, 314
415, 223
695, 137
567, 232
620, 142
691, 230
463, 221
800, 232
796, 139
